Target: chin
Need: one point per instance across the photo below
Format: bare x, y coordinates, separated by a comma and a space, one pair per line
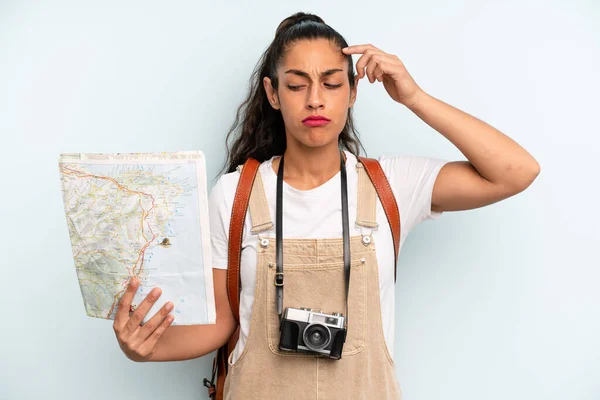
318, 138
318, 143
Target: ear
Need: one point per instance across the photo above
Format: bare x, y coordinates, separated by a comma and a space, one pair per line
354, 91
271, 93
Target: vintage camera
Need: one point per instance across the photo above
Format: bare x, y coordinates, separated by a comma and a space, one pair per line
314, 332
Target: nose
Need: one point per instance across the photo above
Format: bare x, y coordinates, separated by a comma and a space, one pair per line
315, 98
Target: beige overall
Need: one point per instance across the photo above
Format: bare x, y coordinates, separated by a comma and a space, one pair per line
314, 278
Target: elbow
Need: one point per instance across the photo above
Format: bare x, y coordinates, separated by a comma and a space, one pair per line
526, 178
520, 177
534, 173
535, 170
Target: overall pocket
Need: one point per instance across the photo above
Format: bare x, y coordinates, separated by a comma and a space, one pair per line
320, 287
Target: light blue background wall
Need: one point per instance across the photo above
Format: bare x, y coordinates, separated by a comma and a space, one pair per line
495, 303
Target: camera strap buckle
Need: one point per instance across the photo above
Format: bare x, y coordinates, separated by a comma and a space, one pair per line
279, 279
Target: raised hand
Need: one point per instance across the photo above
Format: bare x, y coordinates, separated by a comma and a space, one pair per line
387, 68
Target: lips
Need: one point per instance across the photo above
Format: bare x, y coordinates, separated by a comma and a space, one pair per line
315, 118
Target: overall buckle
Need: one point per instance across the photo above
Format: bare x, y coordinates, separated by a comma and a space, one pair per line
279, 279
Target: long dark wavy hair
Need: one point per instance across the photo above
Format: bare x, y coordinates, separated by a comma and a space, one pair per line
258, 130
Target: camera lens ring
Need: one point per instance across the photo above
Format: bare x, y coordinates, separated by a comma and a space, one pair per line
308, 330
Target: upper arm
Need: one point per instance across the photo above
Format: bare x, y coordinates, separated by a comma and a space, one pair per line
412, 179
459, 186
219, 217
224, 314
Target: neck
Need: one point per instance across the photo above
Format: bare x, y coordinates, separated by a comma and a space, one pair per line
308, 168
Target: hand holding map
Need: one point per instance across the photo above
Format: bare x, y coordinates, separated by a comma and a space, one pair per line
142, 215
138, 342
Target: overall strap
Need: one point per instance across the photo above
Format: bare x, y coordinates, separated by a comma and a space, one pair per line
366, 199
259, 208
388, 201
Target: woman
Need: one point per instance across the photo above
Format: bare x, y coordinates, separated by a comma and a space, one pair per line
297, 123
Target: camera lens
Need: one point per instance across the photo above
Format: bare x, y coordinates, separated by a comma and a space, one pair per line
316, 336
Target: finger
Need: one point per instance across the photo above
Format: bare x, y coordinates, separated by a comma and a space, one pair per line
374, 58
122, 314
150, 343
378, 73
358, 49
373, 63
362, 62
152, 324
138, 315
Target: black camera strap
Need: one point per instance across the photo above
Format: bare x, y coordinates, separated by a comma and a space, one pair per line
279, 236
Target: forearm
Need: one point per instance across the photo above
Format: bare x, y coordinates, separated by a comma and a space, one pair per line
496, 157
185, 342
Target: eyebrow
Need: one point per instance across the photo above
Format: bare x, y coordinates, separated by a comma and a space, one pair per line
305, 75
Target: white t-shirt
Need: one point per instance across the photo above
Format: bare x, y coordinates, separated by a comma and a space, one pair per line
316, 213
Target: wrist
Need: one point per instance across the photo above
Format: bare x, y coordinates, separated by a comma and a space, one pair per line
416, 99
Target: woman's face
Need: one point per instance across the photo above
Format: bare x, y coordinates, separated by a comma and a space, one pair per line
313, 80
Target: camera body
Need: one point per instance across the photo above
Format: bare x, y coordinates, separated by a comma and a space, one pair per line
313, 332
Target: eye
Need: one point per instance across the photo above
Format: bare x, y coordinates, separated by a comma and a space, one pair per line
291, 87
